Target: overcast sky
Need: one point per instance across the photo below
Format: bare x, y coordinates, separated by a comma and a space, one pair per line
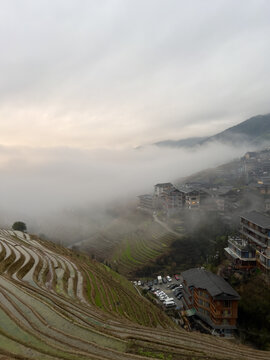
122, 73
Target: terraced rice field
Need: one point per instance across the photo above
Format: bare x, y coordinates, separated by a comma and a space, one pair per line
55, 304
141, 247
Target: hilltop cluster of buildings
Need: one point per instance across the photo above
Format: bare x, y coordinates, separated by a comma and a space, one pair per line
171, 199
256, 166
245, 178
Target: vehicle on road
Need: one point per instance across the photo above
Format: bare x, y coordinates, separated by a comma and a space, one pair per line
170, 304
167, 300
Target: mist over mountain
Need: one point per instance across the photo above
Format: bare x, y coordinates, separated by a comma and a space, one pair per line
65, 193
254, 131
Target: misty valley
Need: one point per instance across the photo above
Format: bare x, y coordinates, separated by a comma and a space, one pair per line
134, 180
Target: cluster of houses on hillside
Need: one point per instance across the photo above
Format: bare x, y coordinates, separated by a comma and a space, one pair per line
172, 198
256, 165
208, 296
251, 174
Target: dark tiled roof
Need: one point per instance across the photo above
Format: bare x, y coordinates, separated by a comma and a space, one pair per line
214, 284
258, 219
164, 184
186, 189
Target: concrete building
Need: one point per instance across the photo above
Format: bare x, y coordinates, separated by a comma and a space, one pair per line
241, 254
255, 229
146, 201
159, 189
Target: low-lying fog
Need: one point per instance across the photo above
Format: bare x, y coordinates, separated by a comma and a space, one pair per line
65, 193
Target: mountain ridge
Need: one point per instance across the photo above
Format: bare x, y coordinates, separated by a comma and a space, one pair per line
254, 130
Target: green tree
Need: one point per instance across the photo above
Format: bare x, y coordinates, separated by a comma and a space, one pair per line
20, 226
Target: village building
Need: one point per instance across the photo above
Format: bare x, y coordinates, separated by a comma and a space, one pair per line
211, 299
263, 186
255, 229
160, 189
173, 201
192, 197
146, 201
241, 254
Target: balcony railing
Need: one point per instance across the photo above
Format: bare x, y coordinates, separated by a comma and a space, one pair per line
266, 259
231, 252
257, 241
256, 231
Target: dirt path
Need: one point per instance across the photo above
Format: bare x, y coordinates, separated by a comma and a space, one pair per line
165, 226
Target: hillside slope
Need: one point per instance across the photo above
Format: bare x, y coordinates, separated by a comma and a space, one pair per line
255, 130
56, 304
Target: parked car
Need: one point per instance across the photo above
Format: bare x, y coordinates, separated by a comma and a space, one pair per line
177, 277
164, 280
155, 282
169, 279
179, 296
170, 304
139, 283
168, 299
173, 286
178, 287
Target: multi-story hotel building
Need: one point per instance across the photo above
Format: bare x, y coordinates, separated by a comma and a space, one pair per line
212, 299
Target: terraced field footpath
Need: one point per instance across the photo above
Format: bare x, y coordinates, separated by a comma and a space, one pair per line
55, 304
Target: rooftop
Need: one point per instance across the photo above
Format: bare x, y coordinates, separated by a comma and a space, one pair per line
240, 243
214, 284
257, 218
186, 189
164, 184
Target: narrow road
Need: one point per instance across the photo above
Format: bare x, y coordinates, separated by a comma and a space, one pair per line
165, 226
138, 290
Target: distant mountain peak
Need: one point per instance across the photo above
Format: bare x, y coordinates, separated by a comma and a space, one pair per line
255, 130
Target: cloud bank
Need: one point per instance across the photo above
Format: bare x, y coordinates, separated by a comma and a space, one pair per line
62, 189
117, 73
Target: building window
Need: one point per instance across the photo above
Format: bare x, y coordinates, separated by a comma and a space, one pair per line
227, 312
227, 303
